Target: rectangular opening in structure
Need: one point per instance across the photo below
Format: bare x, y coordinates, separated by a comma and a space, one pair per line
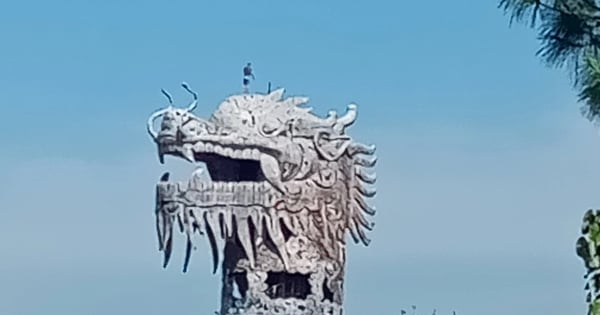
287, 285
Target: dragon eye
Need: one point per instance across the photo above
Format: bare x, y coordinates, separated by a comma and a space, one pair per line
269, 127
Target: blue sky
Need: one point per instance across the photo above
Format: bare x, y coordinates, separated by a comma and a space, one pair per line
485, 164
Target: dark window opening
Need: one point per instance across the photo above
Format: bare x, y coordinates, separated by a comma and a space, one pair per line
327, 293
287, 285
224, 169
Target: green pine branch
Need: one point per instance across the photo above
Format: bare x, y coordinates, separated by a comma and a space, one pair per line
569, 34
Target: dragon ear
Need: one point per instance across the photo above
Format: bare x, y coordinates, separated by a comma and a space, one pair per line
331, 148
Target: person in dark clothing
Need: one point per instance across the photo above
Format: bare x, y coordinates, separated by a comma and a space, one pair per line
247, 76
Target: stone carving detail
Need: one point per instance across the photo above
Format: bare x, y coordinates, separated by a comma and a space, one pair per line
285, 188
588, 249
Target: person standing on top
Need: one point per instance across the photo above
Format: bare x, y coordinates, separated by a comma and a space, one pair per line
247, 76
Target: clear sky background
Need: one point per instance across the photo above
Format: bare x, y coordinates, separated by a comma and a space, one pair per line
485, 164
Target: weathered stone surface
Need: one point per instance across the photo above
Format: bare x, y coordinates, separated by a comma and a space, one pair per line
286, 186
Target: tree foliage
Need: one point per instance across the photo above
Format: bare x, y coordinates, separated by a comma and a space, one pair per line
569, 34
588, 249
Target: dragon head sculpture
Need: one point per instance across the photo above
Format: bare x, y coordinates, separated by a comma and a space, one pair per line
280, 176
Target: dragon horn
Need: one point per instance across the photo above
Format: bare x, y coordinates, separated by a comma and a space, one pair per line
194, 103
150, 123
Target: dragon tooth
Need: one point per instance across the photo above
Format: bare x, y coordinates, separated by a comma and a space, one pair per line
255, 154
187, 153
228, 213
246, 154
228, 152
209, 148
237, 154
199, 147
257, 219
270, 168
219, 150
214, 221
243, 234
276, 236
212, 231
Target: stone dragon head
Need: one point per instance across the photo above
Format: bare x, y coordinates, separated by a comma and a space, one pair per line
274, 166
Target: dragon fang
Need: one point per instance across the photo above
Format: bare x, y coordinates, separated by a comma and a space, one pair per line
285, 188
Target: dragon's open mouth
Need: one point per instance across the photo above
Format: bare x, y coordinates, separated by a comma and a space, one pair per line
229, 164
226, 169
